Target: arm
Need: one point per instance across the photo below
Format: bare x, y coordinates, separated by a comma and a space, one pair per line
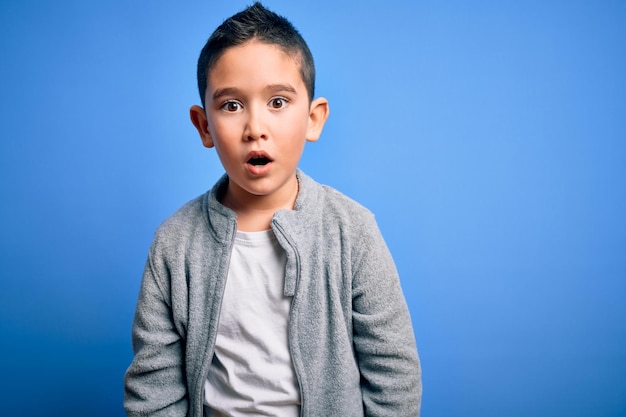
383, 334
155, 383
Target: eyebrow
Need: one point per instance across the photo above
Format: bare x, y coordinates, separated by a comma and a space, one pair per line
221, 92
275, 88
272, 88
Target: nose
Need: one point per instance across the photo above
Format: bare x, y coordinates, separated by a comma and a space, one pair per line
255, 125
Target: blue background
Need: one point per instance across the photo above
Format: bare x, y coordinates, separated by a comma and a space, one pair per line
488, 137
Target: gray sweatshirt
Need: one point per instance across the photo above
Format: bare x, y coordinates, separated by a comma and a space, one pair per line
350, 332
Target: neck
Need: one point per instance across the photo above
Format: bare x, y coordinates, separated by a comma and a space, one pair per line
255, 212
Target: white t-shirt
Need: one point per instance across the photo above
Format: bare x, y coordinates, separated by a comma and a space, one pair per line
251, 372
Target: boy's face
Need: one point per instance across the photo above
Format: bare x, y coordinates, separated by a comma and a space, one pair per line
258, 117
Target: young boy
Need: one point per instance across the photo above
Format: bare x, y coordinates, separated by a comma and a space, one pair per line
270, 294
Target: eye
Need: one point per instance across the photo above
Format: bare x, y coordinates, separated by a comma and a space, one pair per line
278, 102
231, 106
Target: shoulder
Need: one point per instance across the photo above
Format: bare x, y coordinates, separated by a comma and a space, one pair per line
197, 223
344, 228
186, 218
329, 198
336, 209
339, 204
182, 239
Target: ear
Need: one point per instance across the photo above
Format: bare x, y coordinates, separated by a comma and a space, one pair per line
318, 113
199, 120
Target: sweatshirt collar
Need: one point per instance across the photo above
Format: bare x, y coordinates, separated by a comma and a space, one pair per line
223, 220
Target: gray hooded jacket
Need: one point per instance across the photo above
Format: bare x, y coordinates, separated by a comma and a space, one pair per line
350, 332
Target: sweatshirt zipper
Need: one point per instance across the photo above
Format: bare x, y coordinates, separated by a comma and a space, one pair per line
208, 358
290, 326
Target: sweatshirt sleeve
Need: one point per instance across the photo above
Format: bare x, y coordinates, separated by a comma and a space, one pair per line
154, 383
383, 334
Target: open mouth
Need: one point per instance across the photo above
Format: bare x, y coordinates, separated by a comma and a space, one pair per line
259, 160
